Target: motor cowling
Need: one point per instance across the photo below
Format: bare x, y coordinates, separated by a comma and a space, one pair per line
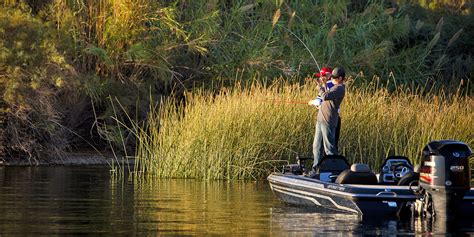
445, 176
445, 165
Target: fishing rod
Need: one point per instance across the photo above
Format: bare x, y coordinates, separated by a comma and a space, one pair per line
318, 82
301, 41
315, 61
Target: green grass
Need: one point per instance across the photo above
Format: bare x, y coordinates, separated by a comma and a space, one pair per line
245, 133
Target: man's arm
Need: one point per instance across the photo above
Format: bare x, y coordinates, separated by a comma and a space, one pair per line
318, 101
336, 92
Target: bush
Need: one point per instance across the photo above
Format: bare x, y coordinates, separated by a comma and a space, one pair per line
35, 83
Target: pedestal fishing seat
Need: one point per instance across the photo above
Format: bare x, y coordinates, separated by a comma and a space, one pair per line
330, 166
357, 174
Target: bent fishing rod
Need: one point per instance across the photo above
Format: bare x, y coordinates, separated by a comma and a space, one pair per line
301, 41
318, 82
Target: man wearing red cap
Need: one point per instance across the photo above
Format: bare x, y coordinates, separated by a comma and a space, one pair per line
323, 76
328, 102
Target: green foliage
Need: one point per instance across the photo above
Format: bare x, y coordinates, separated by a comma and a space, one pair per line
33, 78
126, 50
377, 40
169, 42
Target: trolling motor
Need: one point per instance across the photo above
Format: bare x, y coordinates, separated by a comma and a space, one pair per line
298, 168
445, 177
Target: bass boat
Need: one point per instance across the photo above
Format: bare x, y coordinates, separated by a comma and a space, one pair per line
440, 186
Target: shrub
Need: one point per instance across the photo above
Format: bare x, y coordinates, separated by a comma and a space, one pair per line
34, 80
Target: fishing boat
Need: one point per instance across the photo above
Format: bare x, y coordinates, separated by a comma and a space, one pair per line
439, 186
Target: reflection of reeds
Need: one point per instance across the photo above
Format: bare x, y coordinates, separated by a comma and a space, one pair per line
181, 207
239, 133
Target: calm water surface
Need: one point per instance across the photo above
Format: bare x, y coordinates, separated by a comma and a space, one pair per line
74, 200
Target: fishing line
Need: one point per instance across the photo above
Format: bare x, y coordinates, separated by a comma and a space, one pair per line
301, 41
283, 102
309, 51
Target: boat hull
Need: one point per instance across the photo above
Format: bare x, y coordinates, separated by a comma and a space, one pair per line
356, 199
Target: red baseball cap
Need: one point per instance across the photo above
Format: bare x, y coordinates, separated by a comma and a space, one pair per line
324, 71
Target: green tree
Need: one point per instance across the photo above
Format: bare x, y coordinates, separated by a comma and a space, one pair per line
36, 83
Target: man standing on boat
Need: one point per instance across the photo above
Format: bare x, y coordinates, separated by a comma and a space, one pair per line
328, 115
323, 76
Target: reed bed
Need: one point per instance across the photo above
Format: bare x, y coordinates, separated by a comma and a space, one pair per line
247, 132
377, 123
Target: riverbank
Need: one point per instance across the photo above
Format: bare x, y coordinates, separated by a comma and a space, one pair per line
77, 158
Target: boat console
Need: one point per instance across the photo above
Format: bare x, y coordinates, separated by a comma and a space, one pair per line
394, 169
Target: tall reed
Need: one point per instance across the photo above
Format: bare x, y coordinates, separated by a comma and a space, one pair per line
242, 133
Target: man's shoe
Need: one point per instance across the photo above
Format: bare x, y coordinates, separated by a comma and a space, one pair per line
311, 174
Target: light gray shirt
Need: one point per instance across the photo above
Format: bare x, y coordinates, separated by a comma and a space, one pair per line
332, 99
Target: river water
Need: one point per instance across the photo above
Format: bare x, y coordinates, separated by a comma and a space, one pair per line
78, 200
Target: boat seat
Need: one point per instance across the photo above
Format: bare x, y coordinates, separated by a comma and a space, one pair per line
410, 177
330, 166
332, 163
357, 174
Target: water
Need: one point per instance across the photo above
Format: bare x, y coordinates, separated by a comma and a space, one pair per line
78, 200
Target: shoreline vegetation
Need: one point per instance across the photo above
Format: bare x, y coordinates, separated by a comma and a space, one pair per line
246, 132
117, 76
86, 157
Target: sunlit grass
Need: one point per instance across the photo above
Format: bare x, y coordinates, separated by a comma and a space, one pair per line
245, 133
377, 123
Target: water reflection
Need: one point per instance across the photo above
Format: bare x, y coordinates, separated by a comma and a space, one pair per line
316, 222
193, 207
459, 227
39, 200
322, 222
74, 200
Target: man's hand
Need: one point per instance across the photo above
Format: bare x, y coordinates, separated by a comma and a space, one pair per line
308, 79
316, 103
323, 81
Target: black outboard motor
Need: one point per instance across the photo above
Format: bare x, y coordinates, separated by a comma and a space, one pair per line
445, 176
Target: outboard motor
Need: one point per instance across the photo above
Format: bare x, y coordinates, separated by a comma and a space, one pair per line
445, 176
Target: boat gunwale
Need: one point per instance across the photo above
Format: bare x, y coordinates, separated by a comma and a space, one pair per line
350, 191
